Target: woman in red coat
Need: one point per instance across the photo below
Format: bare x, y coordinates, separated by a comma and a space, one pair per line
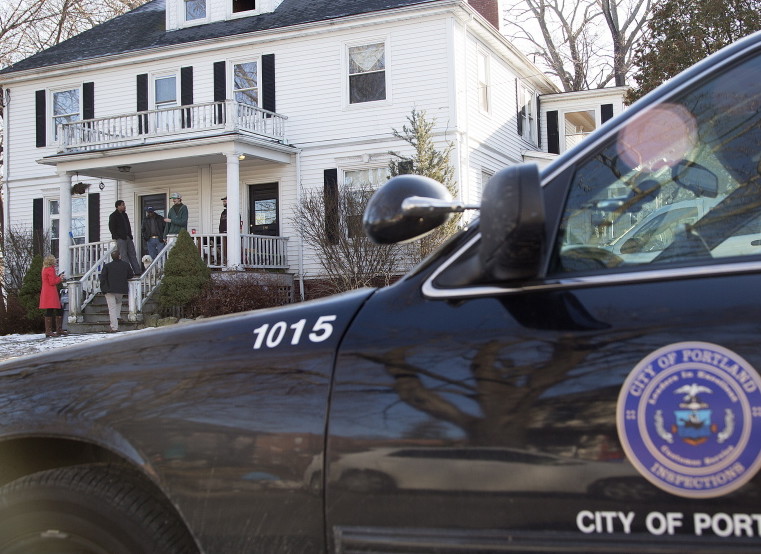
49, 299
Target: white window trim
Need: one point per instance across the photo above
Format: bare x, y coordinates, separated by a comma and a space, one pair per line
152, 86
185, 23
532, 134
51, 134
345, 93
230, 77
580, 108
482, 52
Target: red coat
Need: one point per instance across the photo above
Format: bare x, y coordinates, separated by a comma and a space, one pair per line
49, 294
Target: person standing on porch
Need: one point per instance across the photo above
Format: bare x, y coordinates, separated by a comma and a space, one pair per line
49, 299
152, 232
114, 285
121, 232
177, 216
223, 217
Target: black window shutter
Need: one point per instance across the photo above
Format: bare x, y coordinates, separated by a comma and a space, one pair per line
186, 94
606, 112
519, 110
93, 217
40, 117
538, 115
88, 100
37, 231
142, 102
553, 133
330, 183
220, 88
268, 82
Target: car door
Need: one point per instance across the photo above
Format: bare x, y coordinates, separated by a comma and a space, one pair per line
624, 393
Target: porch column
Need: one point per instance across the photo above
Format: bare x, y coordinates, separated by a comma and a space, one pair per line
233, 211
64, 222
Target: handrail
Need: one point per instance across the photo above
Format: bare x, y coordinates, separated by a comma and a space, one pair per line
83, 290
84, 256
143, 287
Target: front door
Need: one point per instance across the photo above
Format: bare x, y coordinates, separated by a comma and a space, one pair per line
263, 210
158, 203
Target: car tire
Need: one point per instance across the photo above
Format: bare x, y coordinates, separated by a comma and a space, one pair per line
88, 509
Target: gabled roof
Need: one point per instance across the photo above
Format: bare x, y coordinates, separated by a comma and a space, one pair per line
145, 28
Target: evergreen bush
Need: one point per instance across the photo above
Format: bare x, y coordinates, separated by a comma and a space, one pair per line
185, 274
29, 293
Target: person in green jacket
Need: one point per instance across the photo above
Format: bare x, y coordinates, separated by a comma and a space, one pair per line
177, 217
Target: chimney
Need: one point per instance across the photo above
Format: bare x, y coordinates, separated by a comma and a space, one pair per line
490, 9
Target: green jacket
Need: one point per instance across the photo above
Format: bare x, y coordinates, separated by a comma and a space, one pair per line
179, 216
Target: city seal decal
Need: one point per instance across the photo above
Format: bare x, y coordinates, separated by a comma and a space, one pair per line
689, 419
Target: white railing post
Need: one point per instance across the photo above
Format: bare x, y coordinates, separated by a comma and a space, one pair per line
75, 301
134, 299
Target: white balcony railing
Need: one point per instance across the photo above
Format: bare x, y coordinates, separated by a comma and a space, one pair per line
152, 126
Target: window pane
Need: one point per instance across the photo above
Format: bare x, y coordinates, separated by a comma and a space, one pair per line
577, 126
195, 9
366, 58
244, 75
66, 102
166, 90
677, 184
243, 5
53, 204
265, 211
367, 87
78, 227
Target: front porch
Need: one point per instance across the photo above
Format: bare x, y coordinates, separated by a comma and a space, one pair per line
256, 252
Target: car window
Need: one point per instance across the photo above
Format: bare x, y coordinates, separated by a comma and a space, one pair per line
678, 183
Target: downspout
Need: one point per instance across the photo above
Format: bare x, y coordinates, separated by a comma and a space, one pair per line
301, 237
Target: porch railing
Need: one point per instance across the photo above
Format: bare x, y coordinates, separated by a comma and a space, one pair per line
152, 125
257, 251
83, 290
85, 256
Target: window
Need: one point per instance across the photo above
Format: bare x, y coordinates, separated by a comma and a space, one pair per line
195, 10
243, 5
65, 108
578, 125
677, 184
78, 222
527, 114
359, 184
483, 82
165, 92
245, 83
367, 73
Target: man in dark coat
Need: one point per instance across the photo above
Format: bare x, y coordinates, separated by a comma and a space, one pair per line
223, 217
153, 232
114, 285
121, 232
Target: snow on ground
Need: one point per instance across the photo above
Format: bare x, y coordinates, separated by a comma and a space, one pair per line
13, 346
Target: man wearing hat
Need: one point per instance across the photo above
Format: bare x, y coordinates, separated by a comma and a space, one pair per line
223, 217
177, 217
153, 232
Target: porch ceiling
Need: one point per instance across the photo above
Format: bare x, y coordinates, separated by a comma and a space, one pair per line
105, 163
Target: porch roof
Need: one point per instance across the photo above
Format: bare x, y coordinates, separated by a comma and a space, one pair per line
168, 154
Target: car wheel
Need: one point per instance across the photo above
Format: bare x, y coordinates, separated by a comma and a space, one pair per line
89, 509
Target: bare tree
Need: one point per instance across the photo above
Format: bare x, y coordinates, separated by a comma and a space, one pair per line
584, 44
18, 249
331, 223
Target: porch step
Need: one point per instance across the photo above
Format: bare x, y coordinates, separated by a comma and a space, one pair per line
96, 320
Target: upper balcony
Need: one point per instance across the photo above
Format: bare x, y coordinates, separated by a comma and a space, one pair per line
158, 126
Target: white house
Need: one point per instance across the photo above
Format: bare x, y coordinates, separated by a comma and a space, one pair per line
259, 101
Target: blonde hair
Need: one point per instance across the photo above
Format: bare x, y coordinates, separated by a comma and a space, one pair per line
48, 261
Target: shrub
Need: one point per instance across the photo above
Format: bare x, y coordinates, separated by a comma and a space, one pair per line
29, 294
13, 319
243, 292
185, 274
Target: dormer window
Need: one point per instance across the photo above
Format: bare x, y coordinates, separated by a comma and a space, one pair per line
243, 5
195, 9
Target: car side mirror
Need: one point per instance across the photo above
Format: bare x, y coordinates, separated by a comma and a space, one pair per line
405, 208
512, 225
697, 179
